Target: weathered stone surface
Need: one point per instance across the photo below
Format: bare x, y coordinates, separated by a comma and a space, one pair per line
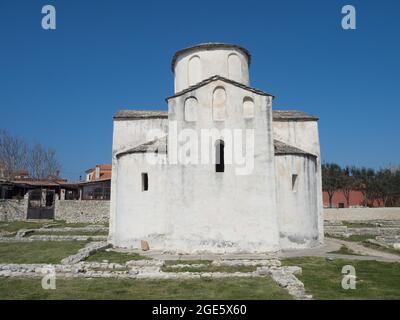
72, 211
285, 278
24, 233
85, 252
144, 263
144, 245
82, 211
269, 263
13, 210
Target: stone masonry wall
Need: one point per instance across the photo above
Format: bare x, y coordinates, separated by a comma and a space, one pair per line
13, 210
82, 211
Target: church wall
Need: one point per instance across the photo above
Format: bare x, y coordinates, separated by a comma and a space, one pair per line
142, 214
128, 134
304, 135
224, 212
297, 201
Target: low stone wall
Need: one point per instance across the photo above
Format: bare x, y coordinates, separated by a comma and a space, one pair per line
13, 210
82, 211
362, 214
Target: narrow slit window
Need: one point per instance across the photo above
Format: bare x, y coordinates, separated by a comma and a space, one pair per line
294, 182
145, 182
219, 156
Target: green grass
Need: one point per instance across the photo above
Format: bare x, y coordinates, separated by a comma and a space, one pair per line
14, 226
115, 257
195, 289
63, 224
380, 248
358, 225
38, 251
354, 238
17, 225
345, 250
70, 233
322, 279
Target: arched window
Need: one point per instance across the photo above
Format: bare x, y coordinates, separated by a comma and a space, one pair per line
219, 156
219, 104
191, 109
194, 70
234, 67
248, 107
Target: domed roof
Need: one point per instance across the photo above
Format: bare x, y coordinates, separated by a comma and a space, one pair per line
209, 46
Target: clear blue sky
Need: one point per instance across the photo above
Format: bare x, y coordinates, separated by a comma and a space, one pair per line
62, 87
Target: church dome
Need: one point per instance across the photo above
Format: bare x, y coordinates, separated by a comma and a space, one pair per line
194, 64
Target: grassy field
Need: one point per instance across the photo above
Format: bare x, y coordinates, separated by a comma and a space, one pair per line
354, 238
345, 250
194, 289
358, 225
322, 279
38, 251
115, 257
380, 248
70, 233
17, 225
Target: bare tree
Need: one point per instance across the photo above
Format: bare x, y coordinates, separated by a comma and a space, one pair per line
13, 154
16, 154
43, 162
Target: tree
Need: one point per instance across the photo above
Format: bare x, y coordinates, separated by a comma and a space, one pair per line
16, 154
13, 154
347, 184
331, 179
387, 186
43, 162
364, 182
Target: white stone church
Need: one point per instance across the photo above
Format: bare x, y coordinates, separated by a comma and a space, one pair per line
220, 171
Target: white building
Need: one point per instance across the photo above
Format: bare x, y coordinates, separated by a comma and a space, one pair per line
165, 192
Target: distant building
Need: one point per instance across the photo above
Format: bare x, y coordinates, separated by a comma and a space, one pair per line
98, 183
356, 199
99, 172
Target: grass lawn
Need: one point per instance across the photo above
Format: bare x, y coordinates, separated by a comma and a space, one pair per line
195, 289
38, 251
205, 267
63, 224
345, 250
354, 238
115, 257
17, 225
14, 226
380, 248
358, 225
322, 279
70, 233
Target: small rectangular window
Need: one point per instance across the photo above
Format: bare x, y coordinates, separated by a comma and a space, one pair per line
294, 182
145, 182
